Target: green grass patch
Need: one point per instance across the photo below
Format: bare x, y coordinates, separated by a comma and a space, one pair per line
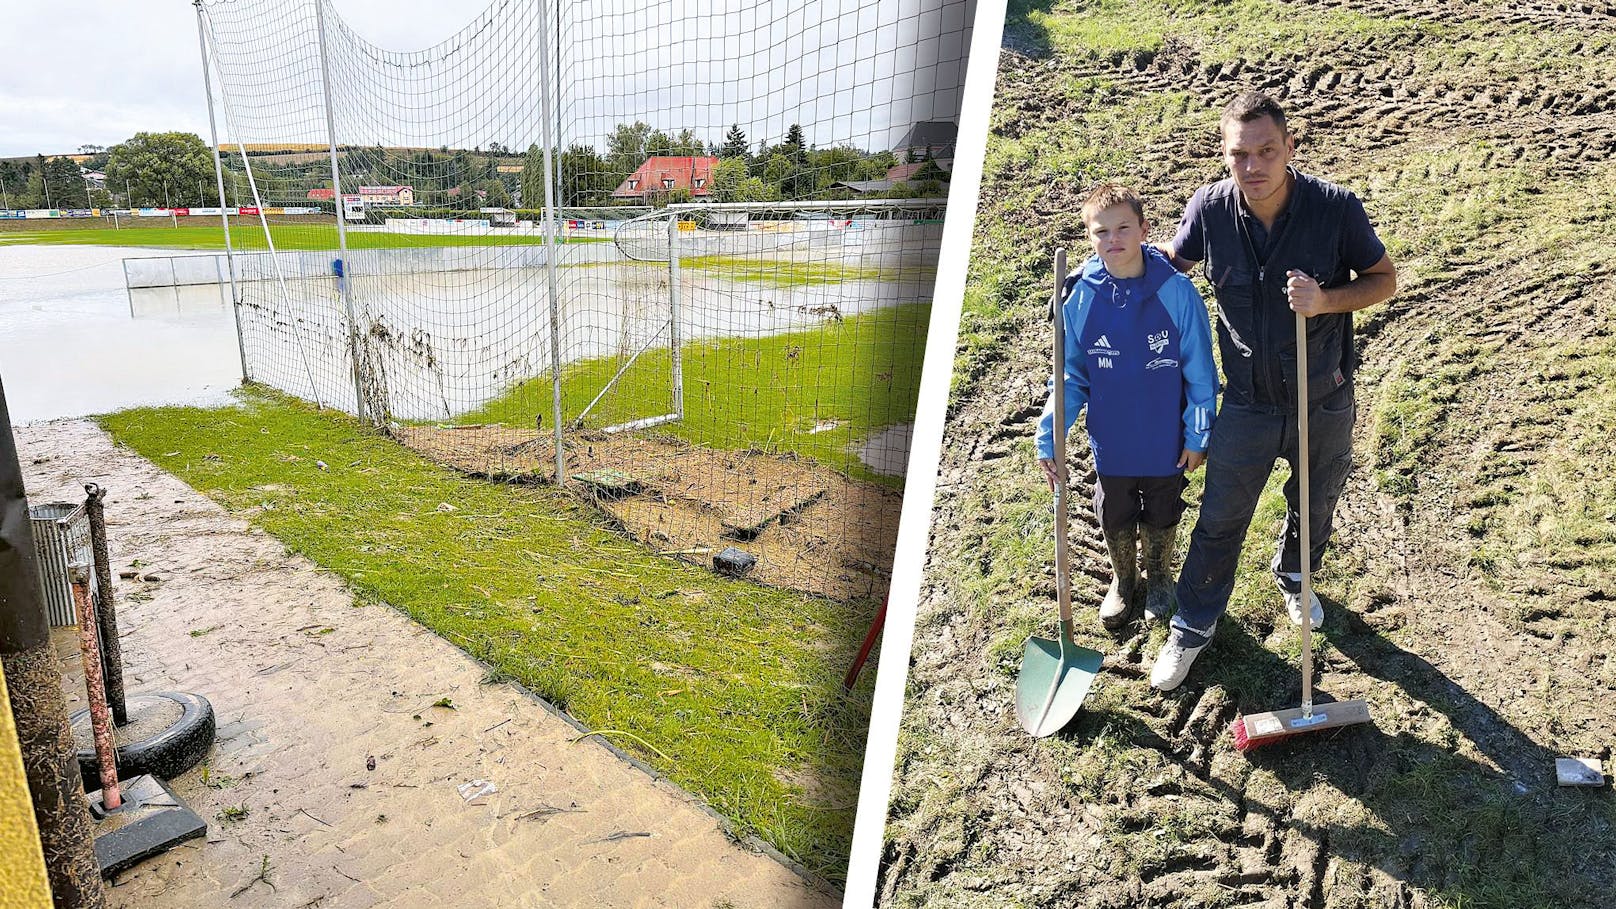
1557, 512
784, 273
286, 236
818, 392
730, 688
1118, 30
1410, 410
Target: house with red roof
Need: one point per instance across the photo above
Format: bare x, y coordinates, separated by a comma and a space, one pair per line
387, 195
901, 173
663, 174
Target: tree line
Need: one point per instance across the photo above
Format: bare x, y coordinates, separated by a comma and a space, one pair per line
176, 169
789, 170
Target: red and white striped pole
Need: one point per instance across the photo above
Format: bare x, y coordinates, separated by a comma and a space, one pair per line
95, 688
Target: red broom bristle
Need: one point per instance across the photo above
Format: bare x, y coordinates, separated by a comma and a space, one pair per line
1238, 730
1243, 741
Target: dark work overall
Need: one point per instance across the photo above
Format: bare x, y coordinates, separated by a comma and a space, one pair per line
1257, 422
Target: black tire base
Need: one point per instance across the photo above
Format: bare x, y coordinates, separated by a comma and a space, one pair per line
168, 753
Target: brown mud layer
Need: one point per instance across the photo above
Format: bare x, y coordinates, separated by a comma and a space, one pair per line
1469, 586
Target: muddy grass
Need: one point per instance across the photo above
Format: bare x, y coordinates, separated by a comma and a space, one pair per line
811, 528
1468, 593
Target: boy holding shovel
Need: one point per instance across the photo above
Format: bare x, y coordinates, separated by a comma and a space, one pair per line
1139, 355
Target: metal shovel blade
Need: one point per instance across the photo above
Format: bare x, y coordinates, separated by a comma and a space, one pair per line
1054, 680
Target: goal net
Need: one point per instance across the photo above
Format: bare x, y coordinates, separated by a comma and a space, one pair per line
678, 255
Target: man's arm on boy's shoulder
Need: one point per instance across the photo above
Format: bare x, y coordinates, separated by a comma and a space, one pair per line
1179, 262
1195, 361
1188, 245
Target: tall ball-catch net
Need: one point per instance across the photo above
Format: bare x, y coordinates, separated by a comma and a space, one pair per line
676, 254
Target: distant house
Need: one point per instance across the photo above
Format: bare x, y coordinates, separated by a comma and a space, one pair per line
928, 139
867, 187
905, 172
387, 195
662, 174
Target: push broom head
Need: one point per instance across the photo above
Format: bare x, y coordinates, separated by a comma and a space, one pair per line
1258, 729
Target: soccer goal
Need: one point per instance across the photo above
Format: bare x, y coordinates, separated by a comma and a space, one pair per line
731, 276
619, 245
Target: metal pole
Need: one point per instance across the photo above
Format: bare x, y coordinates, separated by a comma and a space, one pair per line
95, 498
673, 318
95, 688
345, 279
546, 86
269, 238
224, 211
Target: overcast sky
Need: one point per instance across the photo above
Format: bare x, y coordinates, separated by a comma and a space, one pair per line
98, 71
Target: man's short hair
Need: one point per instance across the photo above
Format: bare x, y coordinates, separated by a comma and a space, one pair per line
1107, 195
1249, 106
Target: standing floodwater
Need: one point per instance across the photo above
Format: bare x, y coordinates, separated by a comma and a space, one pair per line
69, 347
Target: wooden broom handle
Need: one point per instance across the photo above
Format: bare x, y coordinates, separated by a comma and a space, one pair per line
1304, 515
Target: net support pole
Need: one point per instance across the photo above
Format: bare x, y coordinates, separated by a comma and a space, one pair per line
344, 277
263, 221
547, 136
673, 316
218, 176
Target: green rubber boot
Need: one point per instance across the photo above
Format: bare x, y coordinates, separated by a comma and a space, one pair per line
1123, 547
1158, 545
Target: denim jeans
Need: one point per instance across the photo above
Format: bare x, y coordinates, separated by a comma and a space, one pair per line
1246, 441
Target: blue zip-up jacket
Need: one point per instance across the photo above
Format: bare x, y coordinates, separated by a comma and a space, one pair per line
1139, 355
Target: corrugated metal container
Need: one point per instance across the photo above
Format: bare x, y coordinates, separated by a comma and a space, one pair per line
61, 538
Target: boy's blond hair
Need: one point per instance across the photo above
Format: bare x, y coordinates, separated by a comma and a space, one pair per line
1107, 195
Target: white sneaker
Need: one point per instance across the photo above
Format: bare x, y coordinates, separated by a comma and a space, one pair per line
1293, 605
1175, 659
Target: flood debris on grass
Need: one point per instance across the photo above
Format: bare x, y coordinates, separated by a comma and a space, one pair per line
565, 605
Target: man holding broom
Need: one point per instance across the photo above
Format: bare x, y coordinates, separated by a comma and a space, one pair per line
1272, 241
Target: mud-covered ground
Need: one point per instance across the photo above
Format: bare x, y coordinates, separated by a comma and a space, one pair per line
1468, 593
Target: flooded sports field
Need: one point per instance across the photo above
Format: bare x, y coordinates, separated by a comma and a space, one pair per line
91, 329
70, 347
442, 331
